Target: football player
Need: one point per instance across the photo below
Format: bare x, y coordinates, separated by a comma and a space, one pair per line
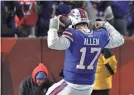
82, 48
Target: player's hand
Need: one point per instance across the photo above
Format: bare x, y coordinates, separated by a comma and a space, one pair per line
99, 24
54, 23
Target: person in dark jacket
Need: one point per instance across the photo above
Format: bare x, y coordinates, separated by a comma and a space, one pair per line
37, 84
45, 13
8, 11
120, 10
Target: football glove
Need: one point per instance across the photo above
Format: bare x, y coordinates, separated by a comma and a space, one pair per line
54, 23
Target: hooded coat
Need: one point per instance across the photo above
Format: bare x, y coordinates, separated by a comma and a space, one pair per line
29, 87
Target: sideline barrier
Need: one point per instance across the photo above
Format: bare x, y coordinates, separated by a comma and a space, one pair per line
20, 56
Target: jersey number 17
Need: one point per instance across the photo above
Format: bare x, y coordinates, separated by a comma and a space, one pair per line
91, 65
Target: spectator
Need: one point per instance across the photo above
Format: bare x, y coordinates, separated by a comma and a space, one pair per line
37, 84
27, 24
63, 8
100, 11
120, 9
130, 20
11, 8
104, 11
45, 13
106, 67
8, 11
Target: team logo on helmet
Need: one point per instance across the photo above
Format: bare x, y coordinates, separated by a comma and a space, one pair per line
78, 15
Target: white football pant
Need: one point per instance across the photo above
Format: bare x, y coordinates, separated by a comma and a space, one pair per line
63, 88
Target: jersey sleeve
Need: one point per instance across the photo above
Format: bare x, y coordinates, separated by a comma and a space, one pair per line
57, 42
68, 34
115, 38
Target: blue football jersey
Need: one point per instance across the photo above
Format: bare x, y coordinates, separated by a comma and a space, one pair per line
82, 56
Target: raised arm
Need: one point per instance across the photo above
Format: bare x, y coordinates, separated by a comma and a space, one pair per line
53, 40
115, 39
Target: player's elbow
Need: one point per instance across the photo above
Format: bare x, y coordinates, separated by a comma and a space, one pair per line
51, 45
115, 41
121, 40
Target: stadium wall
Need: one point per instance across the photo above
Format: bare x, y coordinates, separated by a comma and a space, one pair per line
20, 56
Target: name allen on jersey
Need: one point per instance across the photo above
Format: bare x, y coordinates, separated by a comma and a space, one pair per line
91, 41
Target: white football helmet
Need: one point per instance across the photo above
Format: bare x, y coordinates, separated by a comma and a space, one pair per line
78, 15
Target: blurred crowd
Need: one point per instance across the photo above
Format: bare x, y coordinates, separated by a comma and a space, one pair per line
30, 18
